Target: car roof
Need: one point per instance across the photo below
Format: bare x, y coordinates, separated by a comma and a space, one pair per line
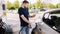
52, 10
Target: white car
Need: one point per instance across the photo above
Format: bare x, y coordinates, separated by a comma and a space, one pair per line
53, 19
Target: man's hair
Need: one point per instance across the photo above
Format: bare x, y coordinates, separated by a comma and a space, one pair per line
25, 1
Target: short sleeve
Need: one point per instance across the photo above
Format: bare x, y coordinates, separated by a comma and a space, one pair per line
20, 11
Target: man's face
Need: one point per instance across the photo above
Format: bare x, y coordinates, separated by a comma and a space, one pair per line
26, 5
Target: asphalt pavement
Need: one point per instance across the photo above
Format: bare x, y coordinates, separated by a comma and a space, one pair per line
13, 20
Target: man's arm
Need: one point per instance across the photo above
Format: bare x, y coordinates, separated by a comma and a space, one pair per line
25, 19
20, 12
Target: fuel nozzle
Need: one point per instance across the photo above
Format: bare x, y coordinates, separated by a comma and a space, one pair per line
0, 20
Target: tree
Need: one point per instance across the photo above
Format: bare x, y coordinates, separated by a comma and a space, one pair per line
34, 6
39, 4
12, 5
51, 6
58, 5
16, 4
8, 5
30, 6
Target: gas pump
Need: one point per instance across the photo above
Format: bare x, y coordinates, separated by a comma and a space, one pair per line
4, 9
3, 18
2, 27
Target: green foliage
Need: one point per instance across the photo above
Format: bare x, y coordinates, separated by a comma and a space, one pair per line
39, 4
33, 6
58, 5
12, 6
16, 4
8, 5
51, 6
30, 6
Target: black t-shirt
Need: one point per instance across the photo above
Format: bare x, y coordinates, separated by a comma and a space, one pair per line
23, 11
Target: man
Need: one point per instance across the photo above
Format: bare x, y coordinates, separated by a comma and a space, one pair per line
24, 14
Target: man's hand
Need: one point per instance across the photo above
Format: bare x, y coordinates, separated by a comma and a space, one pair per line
29, 25
31, 16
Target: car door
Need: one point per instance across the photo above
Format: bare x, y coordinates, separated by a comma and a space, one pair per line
56, 16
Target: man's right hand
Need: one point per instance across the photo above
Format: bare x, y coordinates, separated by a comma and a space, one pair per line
29, 25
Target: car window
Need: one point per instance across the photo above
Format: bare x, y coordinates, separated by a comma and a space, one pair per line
55, 13
54, 21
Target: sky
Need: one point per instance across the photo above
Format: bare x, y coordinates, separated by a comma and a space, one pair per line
34, 1
51, 1
31, 1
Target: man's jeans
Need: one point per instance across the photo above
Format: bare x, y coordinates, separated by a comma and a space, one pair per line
24, 30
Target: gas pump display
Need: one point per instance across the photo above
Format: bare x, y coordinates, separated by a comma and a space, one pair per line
3, 6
